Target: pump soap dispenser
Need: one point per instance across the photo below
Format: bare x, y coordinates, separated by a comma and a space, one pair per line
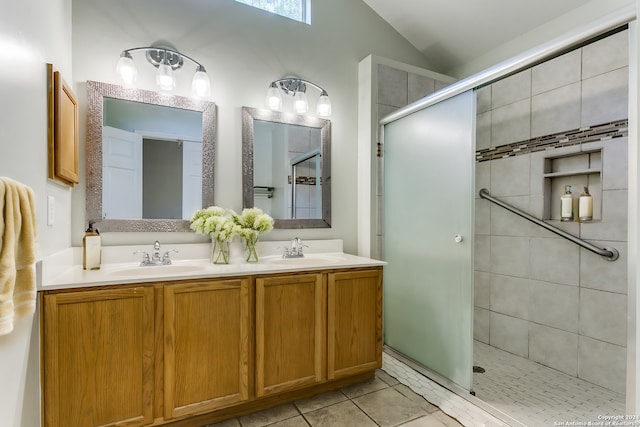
566, 205
91, 249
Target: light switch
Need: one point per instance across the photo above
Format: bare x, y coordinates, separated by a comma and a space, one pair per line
51, 210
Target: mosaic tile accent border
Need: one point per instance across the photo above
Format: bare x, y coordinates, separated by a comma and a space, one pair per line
617, 129
304, 180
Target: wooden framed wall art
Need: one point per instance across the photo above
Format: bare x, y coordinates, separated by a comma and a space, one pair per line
62, 129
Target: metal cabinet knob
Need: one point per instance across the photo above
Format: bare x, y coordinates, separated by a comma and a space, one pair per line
458, 238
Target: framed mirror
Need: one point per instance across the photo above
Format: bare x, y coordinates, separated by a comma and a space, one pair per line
150, 158
286, 167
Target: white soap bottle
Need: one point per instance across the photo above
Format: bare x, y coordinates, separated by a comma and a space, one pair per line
91, 249
566, 205
585, 208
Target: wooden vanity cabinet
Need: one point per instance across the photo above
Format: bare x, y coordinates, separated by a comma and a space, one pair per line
194, 352
206, 348
290, 328
98, 357
354, 322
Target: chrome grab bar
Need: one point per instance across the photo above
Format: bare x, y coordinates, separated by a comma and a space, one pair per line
610, 254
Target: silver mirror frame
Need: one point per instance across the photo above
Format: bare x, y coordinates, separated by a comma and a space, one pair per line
248, 136
96, 92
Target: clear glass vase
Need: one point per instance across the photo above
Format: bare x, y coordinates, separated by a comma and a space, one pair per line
219, 252
251, 255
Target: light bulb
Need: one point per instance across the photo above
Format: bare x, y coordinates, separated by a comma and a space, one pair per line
126, 69
274, 99
200, 84
164, 77
323, 108
300, 103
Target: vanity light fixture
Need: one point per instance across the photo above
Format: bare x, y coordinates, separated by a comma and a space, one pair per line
297, 88
166, 60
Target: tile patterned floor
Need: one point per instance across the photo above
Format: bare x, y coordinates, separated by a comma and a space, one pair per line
383, 401
537, 395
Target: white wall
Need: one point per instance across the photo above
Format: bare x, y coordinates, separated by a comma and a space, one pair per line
243, 50
563, 24
32, 33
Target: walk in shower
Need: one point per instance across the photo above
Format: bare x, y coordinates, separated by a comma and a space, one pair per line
469, 283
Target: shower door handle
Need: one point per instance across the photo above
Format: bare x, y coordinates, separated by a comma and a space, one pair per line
458, 238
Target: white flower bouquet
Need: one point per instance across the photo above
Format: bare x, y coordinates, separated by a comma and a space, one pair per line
218, 223
251, 223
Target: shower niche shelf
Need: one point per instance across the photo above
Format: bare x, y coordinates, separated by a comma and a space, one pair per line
570, 173
578, 170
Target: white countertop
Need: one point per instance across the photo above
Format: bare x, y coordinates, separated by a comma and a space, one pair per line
64, 269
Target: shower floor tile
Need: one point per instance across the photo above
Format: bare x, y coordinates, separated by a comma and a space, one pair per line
537, 395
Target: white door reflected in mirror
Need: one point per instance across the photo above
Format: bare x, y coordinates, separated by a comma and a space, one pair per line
150, 171
121, 173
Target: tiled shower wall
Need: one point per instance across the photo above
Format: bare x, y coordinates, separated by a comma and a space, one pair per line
397, 88
537, 295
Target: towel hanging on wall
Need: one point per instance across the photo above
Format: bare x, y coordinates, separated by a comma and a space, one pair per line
17, 253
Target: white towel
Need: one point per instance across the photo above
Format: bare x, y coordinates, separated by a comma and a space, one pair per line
17, 253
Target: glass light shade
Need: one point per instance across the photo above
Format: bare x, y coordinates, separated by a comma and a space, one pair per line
200, 84
274, 99
126, 70
323, 108
164, 77
300, 103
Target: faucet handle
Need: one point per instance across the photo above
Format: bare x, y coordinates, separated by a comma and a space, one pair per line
285, 251
145, 257
166, 259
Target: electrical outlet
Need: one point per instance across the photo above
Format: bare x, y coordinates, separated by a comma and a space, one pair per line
51, 210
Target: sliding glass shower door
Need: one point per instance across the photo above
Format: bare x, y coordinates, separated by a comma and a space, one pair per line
428, 236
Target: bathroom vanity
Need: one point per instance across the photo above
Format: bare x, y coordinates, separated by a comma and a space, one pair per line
194, 343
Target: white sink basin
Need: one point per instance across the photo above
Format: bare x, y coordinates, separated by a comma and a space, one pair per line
158, 270
307, 260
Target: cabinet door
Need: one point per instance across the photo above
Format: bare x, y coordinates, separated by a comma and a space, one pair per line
289, 332
98, 358
354, 320
206, 346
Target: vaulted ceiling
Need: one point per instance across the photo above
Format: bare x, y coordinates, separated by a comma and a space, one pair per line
452, 32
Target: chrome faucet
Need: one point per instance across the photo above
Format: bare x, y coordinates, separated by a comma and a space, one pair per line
155, 259
296, 249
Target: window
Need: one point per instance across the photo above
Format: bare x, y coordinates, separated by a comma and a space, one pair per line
293, 9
